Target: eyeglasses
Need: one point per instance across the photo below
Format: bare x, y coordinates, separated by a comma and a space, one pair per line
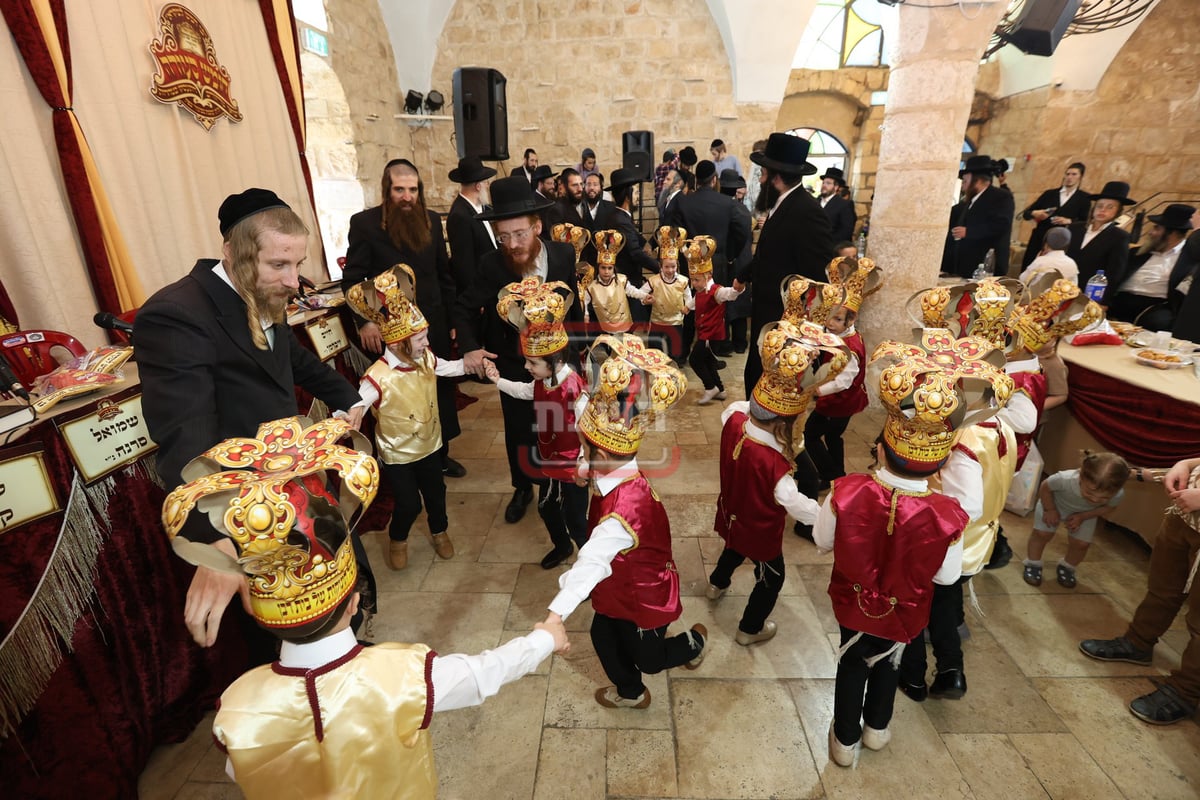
516, 236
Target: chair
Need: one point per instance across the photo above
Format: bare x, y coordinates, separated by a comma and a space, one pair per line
32, 353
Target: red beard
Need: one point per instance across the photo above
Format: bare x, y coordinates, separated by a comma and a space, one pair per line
521, 263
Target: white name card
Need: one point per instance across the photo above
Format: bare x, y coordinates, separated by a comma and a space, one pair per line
328, 336
26, 493
107, 437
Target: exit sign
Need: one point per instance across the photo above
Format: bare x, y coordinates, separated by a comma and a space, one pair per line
315, 42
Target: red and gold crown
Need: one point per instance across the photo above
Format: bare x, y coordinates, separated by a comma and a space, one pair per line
789, 351
858, 276
270, 494
670, 239
633, 385
805, 299
537, 311
389, 300
575, 235
980, 308
699, 252
933, 389
608, 244
1057, 309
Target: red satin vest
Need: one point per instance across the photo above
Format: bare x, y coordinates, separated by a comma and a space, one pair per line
888, 546
852, 399
557, 439
1032, 384
644, 585
748, 518
710, 316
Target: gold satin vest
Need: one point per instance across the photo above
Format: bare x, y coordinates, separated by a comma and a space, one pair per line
668, 308
370, 711
408, 428
610, 306
985, 443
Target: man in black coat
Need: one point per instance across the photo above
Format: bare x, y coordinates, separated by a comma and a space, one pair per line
841, 213
982, 221
795, 239
1100, 245
1053, 208
1187, 294
514, 218
1148, 295
529, 163
633, 261
402, 231
469, 238
208, 374
707, 212
543, 192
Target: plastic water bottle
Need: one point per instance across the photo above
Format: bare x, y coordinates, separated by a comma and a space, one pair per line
1096, 287
862, 242
980, 272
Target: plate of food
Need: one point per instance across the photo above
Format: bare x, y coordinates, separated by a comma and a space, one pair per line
1162, 359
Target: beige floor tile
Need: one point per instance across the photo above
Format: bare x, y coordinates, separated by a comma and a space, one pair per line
210, 768
816, 586
571, 701
535, 588
691, 437
693, 573
1122, 581
690, 514
524, 542
486, 475
449, 623
642, 763
572, 763
199, 790
1144, 761
718, 759
455, 577
697, 475
993, 767
1063, 767
170, 765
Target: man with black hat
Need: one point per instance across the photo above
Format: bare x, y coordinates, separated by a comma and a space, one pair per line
796, 238
1099, 245
1057, 207
840, 211
216, 359
687, 161
633, 260
1152, 276
543, 191
980, 222
469, 238
529, 163
515, 219
401, 230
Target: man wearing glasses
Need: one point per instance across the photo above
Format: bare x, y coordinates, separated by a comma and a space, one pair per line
515, 220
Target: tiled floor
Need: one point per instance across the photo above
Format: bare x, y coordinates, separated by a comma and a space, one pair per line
1039, 721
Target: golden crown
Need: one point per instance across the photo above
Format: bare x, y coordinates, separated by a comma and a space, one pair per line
858, 276
699, 252
633, 385
608, 244
269, 495
389, 300
980, 308
537, 311
574, 235
788, 383
805, 299
933, 389
1057, 309
670, 239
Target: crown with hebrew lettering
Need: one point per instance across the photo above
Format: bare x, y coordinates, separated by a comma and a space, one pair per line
933, 389
1057, 309
608, 244
981, 308
389, 300
671, 238
633, 385
537, 311
575, 235
789, 351
859, 277
699, 252
271, 495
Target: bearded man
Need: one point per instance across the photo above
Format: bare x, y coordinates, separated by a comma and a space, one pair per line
402, 230
516, 222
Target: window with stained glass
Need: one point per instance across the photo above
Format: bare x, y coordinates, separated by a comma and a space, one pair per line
845, 33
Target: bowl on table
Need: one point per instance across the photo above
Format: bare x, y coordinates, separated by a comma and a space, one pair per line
1162, 359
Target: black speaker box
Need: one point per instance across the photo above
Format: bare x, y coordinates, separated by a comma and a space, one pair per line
641, 143
480, 113
640, 163
1041, 25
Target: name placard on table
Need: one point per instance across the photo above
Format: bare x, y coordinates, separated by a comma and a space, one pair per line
107, 436
26, 492
328, 336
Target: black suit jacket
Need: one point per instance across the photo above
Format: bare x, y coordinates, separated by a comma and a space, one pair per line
527, 176
1109, 251
707, 212
469, 240
633, 259
1075, 209
550, 216
204, 381
1187, 321
989, 226
498, 336
842, 218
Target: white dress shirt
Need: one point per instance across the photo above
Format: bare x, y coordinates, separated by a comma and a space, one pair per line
844, 378
723, 295
1053, 261
1153, 278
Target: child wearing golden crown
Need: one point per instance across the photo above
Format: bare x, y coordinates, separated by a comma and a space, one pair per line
559, 394
758, 450
608, 295
893, 539
708, 301
401, 388
626, 567
670, 294
330, 718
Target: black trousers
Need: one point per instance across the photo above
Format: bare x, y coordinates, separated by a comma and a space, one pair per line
447, 391
519, 439
768, 581
738, 331
704, 363
823, 443
808, 479
850, 707
412, 483
627, 651
563, 506
945, 615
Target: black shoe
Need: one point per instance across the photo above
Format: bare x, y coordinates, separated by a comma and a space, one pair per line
1001, 553
739, 349
917, 692
1163, 706
803, 531
721, 364
556, 557
516, 507
949, 685
453, 469
1119, 649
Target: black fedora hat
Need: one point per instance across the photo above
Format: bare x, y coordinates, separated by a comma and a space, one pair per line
731, 180
1115, 190
978, 165
513, 197
1175, 217
624, 177
836, 174
785, 153
541, 173
471, 170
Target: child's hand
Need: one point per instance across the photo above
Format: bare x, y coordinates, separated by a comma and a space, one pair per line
1176, 478
355, 417
1073, 522
1051, 517
554, 626
1186, 500
490, 371
648, 300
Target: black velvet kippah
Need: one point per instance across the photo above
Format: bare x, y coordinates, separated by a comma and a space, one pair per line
239, 206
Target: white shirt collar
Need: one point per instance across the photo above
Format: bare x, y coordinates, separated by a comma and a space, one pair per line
775, 207
903, 484
318, 653
606, 483
219, 271
564, 372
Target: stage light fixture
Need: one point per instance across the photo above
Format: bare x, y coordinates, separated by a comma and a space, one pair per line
412, 102
434, 101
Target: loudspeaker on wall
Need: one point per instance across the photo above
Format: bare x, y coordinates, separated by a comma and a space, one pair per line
480, 113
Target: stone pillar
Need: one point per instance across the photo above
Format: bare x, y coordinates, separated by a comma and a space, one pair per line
935, 64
